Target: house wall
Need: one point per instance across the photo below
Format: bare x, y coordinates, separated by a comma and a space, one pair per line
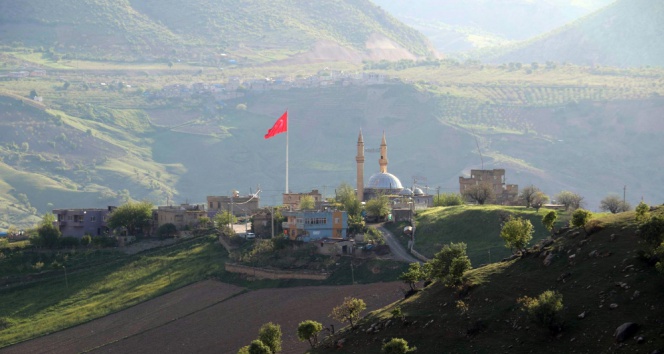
241, 205
504, 194
80, 222
311, 226
292, 200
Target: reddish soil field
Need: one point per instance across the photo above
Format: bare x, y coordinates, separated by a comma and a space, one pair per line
197, 319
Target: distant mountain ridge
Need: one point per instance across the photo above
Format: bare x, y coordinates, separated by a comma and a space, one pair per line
459, 25
628, 33
148, 29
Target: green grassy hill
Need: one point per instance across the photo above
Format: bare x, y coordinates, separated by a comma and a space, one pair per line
603, 281
626, 33
200, 30
477, 226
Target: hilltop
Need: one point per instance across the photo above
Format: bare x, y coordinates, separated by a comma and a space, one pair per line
218, 33
625, 33
603, 280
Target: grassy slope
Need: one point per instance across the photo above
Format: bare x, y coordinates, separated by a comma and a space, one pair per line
625, 33
173, 29
477, 226
437, 325
101, 283
41, 301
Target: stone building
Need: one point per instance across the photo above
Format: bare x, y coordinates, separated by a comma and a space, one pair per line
80, 222
182, 216
236, 204
505, 194
292, 200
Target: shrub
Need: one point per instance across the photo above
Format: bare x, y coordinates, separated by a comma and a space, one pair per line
166, 230
397, 346
580, 218
517, 233
270, 335
642, 212
349, 311
544, 309
86, 240
308, 330
653, 231
448, 199
374, 236
69, 241
450, 263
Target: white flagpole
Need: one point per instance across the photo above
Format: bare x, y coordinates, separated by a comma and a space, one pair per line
287, 129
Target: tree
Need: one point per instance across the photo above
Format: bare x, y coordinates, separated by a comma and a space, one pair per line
580, 218
132, 216
479, 193
378, 207
538, 200
528, 193
569, 200
397, 346
33, 94
48, 234
448, 199
166, 230
270, 335
642, 212
413, 275
307, 202
549, 219
225, 218
517, 233
450, 263
308, 330
544, 308
614, 204
256, 347
349, 311
347, 197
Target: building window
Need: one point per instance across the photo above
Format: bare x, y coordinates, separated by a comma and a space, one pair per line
93, 218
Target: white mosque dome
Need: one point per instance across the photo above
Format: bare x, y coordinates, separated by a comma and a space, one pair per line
406, 191
418, 191
384, 181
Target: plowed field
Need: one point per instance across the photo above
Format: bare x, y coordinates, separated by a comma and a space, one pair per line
207, 318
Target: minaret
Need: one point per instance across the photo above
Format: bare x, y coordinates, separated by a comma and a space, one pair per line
383, 155
360, 167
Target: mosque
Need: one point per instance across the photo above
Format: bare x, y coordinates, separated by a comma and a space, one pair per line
381, 183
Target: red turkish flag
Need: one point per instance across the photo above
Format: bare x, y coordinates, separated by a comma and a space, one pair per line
280, 126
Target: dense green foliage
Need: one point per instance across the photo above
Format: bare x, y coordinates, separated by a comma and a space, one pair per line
517, 233
614, 204
450, 263
131, 216
308, 330
580, 218
545, 308
448, 199
549, 219
397, 346
349, 310
270, 335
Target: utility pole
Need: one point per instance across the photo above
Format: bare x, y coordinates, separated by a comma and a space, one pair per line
624, 194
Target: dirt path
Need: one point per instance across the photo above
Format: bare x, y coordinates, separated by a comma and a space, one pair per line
396, 248
207, 318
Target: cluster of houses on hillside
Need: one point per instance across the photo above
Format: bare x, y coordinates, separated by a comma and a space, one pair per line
236, 87
322, 224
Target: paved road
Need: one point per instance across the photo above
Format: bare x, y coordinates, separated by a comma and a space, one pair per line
396, 248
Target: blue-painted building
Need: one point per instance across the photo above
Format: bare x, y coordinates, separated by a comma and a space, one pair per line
308, 225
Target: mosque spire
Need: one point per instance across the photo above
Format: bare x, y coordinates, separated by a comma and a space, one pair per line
383, 155
360, 167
